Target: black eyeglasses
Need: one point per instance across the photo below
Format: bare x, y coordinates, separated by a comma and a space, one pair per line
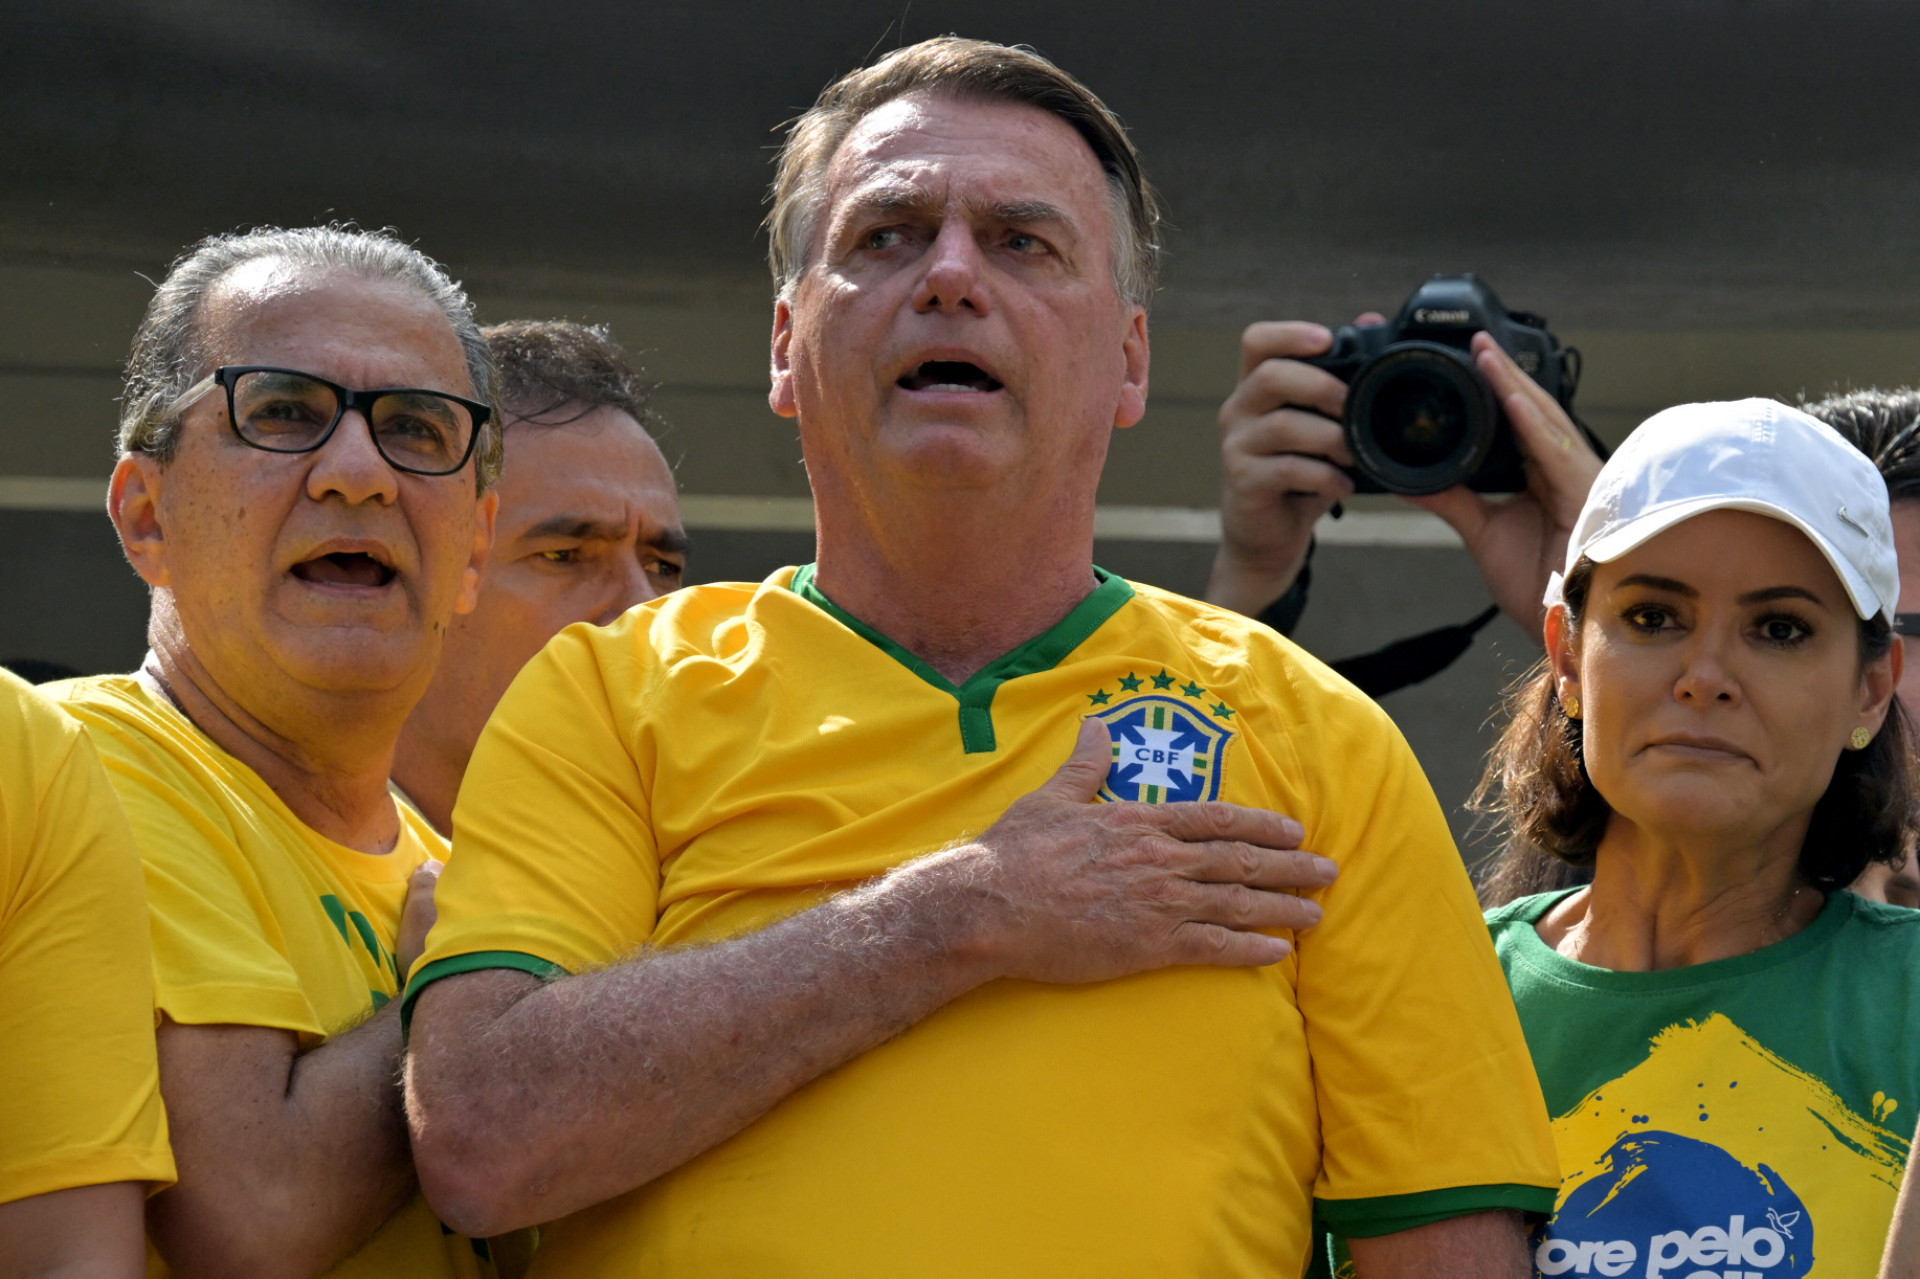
287, 411
1907, 624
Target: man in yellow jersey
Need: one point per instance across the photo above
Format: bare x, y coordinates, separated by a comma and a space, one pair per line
306, 449
780, 940
589, 526
83, 1138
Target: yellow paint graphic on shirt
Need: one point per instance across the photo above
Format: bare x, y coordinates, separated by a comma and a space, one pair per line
1715, 1155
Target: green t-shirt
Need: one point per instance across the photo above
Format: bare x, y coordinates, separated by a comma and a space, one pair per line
1742, 1119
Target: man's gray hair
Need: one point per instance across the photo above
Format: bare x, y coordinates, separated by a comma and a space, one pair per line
168, 356
968, 69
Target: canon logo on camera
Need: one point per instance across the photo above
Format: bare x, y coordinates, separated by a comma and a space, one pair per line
1420, 418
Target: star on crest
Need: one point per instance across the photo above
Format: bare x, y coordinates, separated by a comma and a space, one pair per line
1100, 698
1222, 711
1131, 682
1194, 690
1163, 680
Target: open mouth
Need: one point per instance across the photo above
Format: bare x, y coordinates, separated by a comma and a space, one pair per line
949, 375
344, 568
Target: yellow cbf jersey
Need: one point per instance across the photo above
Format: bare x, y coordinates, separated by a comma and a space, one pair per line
731, 754
257, 919
79, 1083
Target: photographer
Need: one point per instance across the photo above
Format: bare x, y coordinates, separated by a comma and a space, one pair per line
1282, 457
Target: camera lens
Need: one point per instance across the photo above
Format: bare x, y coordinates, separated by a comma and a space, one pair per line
1420, 418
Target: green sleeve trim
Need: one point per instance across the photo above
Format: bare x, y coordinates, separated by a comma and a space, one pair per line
1390, 1214
454, 965
1041, 653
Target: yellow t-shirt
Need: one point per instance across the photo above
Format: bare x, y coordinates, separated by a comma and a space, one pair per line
730, 754
79, 1084
257, 919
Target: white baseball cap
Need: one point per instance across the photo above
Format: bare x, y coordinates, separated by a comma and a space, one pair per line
1744, 455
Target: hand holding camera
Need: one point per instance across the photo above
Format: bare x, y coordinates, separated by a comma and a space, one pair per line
1282, 460
1519, 541
1439, 410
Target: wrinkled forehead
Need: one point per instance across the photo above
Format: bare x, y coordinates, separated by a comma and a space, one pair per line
953, 149
352, 329
599, 468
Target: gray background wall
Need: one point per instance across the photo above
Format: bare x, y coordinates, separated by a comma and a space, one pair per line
1712, 198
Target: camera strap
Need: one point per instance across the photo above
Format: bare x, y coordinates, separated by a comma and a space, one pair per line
1410, 661
1400, 664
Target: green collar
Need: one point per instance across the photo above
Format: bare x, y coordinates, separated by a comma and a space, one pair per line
1531, 947
1041, 653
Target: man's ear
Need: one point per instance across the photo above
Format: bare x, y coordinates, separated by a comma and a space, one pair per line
133, 504
1132, 405
487, 509
780, 394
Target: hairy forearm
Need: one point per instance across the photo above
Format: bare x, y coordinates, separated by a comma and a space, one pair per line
288, 1162
1487, 1245
532, 1101
585, 1088
346, 1109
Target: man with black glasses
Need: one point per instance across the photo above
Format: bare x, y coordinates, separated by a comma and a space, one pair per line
307, 445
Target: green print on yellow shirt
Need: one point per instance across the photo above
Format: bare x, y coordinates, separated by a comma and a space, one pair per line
726, 756
258, 919
1743, 1119
344, 916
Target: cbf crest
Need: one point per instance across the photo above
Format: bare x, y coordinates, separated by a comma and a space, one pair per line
1165, 749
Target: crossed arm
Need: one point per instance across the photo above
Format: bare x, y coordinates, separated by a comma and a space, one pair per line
289, 1161
1486, 1245
529, 1101
87, 1232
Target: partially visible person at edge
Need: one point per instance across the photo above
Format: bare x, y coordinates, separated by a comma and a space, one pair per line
1284, 463
1723, 1032
1884, 425
307, 444
83, 1137
589, 526
780, 940
1902, 1257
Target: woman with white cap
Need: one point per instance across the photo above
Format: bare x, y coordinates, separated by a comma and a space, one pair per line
1723, 1033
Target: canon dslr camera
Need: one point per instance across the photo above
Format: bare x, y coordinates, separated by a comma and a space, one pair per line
1420, 418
